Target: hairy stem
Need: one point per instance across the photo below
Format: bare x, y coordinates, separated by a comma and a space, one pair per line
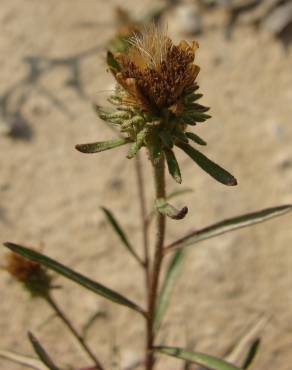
159, 179
141, 193
75, 333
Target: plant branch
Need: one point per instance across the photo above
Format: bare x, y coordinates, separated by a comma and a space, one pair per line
159, 179
75, 333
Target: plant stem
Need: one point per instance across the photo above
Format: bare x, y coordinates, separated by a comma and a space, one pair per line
141, 193
159, 179
75, 333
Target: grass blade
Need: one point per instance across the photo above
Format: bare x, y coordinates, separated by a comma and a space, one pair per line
167, 286
121, 234
74, 276
42, 354
229, 225
213, 169
101, 146
210, 362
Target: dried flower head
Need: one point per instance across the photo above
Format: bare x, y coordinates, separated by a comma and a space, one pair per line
156, 73
156, 100
34, 277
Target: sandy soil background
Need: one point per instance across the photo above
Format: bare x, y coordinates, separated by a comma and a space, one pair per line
51, 194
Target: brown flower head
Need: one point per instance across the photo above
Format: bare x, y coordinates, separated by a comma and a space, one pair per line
34, 277
155, 73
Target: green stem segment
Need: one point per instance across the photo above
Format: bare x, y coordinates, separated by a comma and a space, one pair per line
159, 179
75, 333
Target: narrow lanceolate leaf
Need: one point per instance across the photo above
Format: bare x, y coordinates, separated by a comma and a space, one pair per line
74, 276
137, 145
193, 97
101, 146
171, 195
213, 169
195, 138
166, 139
228, 225
251, 354
172, 165
27, 361
121, 234
181, 136
167, 209
199, 107
199, 116
209, 362
167, 286
41, 352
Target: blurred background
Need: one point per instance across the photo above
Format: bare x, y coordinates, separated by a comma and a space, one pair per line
52, 69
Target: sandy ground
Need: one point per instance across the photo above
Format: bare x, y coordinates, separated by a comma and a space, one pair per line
51, 194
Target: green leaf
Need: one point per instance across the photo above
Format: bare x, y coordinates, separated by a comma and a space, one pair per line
193, 97
230, 224
198, 116
196, 139
166, 139
100, 146
42, 354
199, 107
210, 362
121, 234
172, 165
112, 62
187, 119
137, 145
74, 276
181, 136
168, 283
171, 195
251, 354
167, 209
213, 169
